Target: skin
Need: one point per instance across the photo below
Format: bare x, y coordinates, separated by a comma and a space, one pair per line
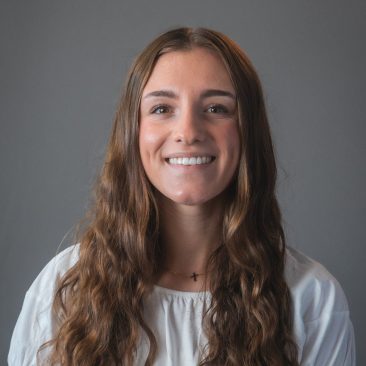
188, 109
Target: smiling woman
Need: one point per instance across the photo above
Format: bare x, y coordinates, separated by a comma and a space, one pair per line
184, 259
184, 119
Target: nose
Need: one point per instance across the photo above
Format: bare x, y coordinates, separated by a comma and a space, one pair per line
189, 128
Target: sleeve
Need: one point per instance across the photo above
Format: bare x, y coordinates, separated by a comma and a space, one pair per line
322, 325
328, 330
32, 329
329, 341
36, 323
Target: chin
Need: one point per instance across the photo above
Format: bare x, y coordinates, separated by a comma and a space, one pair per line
191, 200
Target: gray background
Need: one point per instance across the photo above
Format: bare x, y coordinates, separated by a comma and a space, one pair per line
62, 65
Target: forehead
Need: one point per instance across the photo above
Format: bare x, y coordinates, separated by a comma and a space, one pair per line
195, 68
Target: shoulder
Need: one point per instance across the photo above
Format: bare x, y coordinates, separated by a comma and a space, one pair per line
45, 282
322, 326
36, 324
314, 290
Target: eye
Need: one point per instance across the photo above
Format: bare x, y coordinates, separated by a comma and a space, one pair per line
160, 109
217, 108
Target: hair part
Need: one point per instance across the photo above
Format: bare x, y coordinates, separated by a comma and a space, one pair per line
99, 302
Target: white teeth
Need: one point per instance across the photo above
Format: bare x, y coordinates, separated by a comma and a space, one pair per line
191, 161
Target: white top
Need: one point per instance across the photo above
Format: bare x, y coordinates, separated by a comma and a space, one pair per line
322, 326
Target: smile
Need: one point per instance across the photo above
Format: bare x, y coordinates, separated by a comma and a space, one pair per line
191, 160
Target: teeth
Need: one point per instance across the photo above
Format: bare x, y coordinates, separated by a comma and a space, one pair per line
191, 161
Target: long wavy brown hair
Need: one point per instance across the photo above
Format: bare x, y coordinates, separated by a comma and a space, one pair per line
99, 301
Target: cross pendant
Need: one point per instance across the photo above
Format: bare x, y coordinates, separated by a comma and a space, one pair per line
194, 276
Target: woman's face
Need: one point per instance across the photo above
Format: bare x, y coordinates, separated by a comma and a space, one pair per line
189, 142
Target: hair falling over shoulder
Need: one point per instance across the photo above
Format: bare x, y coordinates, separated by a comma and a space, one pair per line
99, 302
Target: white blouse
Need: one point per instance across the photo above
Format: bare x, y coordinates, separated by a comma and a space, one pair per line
322, 326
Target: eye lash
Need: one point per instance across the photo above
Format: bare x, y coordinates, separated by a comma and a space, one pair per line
220, 107
159, 106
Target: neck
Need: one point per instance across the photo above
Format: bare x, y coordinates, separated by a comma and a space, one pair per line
189, 234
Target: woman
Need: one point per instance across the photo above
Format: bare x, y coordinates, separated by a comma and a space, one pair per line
183, 260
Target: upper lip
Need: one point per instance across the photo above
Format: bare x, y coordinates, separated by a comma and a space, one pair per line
187, 155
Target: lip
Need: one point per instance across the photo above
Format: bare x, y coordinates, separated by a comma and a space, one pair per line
188, 155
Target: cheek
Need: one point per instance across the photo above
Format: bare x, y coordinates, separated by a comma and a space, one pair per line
149, 140
151, 143
231, 143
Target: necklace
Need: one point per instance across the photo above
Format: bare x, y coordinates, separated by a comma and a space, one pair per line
193, 276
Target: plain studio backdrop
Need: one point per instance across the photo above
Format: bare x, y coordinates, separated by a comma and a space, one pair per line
62, 65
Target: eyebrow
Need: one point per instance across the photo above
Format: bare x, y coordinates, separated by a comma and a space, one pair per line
206, 94
162, 93
217, 93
